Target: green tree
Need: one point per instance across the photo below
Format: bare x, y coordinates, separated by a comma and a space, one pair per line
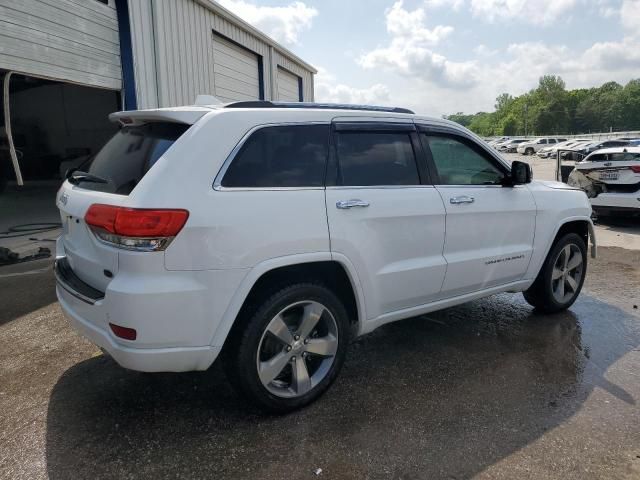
552, 109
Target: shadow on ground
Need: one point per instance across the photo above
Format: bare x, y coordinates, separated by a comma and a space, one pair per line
620, 224
438, 397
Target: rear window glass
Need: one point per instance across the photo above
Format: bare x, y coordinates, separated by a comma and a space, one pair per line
615, 157
129, 155
282, 156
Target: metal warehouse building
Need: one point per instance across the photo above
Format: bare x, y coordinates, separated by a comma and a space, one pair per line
66, 64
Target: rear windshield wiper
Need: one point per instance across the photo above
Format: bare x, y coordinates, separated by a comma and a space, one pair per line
79, 176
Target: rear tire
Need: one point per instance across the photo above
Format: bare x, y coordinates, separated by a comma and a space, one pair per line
562, 275
289, 350
529, 151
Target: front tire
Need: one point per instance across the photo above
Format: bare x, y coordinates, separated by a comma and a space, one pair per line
562, 275
529, 151
289, 351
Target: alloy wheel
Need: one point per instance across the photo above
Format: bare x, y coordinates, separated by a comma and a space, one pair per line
297, 349
567, 273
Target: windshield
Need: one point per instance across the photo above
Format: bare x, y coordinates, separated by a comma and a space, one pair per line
129, 155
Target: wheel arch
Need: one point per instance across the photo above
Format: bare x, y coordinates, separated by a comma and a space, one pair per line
336, 273
583, 226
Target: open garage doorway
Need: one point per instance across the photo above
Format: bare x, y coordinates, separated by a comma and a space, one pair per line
54, 126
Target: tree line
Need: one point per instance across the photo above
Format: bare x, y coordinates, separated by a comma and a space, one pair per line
552, 109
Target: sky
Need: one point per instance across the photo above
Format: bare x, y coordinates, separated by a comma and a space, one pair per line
445, 56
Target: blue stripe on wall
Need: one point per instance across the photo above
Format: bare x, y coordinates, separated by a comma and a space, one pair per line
126, 55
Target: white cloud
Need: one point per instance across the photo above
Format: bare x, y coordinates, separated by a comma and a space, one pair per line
410, 51
484, 51
613, 56
630, 15
284, 24
410, 25
328, 90
517, 70
453, 4
538, 12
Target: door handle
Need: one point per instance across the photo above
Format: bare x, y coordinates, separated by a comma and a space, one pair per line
462, 199
355, 202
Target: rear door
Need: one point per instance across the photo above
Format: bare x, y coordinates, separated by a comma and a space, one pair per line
489, 228
384, 214
116, 170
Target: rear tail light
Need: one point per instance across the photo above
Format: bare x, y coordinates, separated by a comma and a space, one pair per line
135, 228
635, 168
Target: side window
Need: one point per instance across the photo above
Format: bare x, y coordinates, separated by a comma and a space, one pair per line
457, 163
281, 156
376, 158
552, 140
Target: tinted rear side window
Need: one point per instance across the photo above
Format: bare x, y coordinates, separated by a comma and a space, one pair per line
129, 155
281, 156
376, 158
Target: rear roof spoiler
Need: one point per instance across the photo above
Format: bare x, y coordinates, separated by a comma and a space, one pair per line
186, 115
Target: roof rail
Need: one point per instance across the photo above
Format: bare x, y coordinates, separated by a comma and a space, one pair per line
321, 106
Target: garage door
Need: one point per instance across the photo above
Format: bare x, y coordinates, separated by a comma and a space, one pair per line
288, 86
236, 71
70, 40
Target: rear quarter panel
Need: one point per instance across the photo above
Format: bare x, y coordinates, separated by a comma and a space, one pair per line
230, 228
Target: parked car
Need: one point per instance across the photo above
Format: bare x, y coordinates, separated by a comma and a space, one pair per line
552, 149
499, 144
498, 140
510, 146
580, 151
611, 179
270, 234
529, 148
569, 152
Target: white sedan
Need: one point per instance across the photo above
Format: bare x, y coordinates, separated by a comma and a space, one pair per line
611, 179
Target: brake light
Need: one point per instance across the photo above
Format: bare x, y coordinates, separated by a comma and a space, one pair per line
135, 228
635, 168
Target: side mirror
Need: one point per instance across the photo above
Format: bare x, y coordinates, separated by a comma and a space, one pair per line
520, 173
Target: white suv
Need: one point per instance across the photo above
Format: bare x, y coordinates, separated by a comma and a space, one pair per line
272, 234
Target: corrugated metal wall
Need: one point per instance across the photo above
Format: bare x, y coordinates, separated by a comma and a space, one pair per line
179, 65
72, 40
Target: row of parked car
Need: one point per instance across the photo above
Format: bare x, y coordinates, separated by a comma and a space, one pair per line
547, 147
607, 170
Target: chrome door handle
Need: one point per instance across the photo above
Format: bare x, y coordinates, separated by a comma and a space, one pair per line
355, 202
462, 199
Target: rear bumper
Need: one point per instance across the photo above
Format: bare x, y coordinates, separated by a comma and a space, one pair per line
607, 203
173, 313
178, 359
69, 281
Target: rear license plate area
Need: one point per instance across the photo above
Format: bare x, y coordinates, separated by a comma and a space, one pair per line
608, 176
